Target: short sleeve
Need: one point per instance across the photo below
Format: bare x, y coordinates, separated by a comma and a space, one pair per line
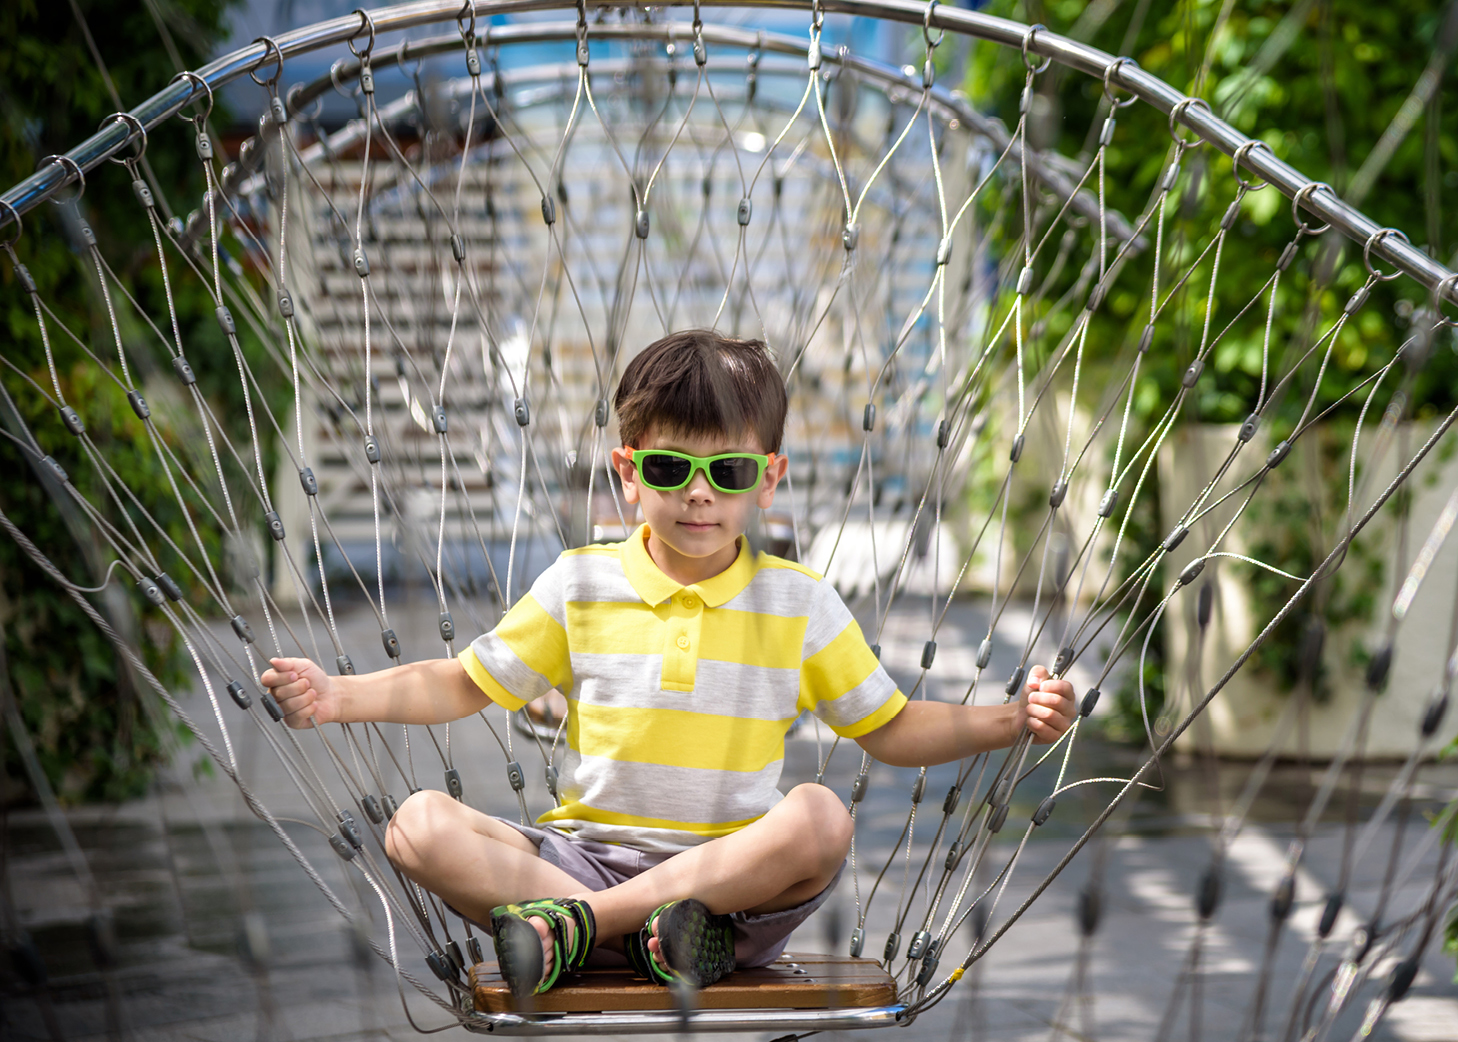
526, 655
841, 681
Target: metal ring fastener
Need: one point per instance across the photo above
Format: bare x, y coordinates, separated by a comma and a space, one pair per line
1027, 42
291, 103
1445, 290
339, 87
1373, 240
196, 81
1177, 113
1240, 154
926, 27
1299, 199
80, 177
269, 46
135, 130
19, 227
1109, 71
366, 23
468, 30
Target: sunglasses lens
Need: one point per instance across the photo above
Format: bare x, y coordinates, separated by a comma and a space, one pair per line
660, 470
735, 474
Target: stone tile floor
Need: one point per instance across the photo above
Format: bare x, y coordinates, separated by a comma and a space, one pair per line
191, 881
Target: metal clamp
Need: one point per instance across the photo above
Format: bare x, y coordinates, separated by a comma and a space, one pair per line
1109, 71
1033, 70
1373, 240
1240, 154
269, 46
1177, 113
135, 129
1299, 199
196, 81
366, 23
80, 177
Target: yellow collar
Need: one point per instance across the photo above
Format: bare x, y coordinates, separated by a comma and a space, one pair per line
655, 587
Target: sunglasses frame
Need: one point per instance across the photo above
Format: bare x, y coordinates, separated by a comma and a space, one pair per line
701, 463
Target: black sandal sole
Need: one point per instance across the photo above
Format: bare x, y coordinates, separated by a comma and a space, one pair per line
519, 955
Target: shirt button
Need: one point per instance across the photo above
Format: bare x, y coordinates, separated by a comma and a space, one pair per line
683, 643
690, 602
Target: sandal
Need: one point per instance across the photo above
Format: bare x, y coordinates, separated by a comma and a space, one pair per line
519, 946
697, 945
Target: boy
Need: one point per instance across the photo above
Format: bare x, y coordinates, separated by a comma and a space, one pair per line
684, 658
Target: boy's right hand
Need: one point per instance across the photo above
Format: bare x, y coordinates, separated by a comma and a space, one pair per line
303, 690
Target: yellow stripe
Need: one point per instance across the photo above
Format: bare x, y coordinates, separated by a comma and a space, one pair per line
772, 641
676, 738
538, 640
486, 682
621, 628
866, 725
836, 668
614, 628
582, 812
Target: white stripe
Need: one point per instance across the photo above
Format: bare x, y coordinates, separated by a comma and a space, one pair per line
688, 794
859, 702
828, 618
721, 688
508, 670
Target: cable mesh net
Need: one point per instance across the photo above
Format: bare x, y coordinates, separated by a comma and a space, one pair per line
449, 286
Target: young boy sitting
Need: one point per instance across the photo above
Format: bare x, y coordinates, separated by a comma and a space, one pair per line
684, 658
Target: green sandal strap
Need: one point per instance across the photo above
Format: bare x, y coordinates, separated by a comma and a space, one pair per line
567, 957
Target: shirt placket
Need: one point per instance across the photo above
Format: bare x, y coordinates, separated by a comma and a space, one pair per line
681, 640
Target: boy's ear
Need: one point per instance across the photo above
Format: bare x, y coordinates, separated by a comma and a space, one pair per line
627, 472
773, 474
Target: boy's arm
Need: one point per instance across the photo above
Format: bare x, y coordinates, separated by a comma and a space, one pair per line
928, 733
431, 692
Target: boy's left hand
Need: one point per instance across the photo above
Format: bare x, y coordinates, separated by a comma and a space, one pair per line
1047, 708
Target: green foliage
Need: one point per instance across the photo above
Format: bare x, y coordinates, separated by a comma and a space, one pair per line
1321, 102
77, 696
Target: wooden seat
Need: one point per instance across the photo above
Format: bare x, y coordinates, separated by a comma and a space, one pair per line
794, 981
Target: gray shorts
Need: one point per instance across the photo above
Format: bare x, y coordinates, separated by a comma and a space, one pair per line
759, 938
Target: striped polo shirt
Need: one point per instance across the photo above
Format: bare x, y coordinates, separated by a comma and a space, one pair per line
679, 697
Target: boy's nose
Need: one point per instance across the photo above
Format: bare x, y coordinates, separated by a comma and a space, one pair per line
699, 489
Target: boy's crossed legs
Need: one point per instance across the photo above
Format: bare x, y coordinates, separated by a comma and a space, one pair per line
475, 863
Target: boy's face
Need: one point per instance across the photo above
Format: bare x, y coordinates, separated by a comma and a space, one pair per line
694, 530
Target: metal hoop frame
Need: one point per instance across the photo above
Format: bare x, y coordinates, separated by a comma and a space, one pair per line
1077, 56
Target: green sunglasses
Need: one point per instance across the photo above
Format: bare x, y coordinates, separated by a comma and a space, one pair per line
667, 471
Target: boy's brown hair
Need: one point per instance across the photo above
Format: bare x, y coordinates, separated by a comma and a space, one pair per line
698, 382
